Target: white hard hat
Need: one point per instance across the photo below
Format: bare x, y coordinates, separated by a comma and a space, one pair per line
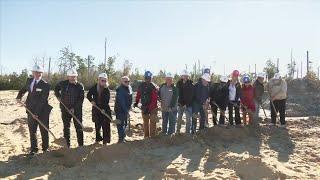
206, 77
37, 68
261, 75
103, 75
184, 73
169, 75
224, 79
72, 72
125, 77
277, 76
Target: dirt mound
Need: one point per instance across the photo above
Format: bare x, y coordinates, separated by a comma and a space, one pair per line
303, 98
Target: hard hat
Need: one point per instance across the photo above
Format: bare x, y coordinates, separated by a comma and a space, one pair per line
246, 79
277, 76
125, 77
147, 74
37, 68
235, 73
206, 77
184, 73
206, 71
72, 72
224, 79
169, 75
261, 75
103, 75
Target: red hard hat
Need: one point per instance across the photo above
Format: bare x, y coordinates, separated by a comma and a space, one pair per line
235, 73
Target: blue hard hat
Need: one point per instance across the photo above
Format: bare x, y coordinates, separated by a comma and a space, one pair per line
206, 71
147, 74
246, 79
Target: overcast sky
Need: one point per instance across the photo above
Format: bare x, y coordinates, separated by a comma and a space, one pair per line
224, 35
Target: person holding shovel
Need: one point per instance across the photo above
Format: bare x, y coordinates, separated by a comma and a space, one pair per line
234, 98
99, 96
247, 101
168, 94
219, 99
38, 108
122, 106
277, 90
148, 94
70, 94
258, 93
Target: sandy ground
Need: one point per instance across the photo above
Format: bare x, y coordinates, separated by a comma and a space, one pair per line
216, 153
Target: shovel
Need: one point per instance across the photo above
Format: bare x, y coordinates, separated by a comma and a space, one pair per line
59, 141
117, 121
85, 129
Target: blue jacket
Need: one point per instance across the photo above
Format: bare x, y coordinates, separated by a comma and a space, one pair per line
201, 93
123, 100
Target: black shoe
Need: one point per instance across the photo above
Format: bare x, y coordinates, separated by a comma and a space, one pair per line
33, 152
99, 139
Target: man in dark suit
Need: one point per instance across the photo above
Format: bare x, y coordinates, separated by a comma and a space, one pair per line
37, 103
71, 93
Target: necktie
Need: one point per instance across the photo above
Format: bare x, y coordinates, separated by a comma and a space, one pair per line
34, 86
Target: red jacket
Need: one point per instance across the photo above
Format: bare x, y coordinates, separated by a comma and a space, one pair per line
153, 96
247, 97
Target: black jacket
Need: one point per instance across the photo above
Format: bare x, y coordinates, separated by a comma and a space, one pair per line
93, 96
238, 90
258, 91
37, 101
62, 88
219, 93
186, 92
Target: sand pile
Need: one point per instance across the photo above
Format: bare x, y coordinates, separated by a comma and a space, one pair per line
216, 153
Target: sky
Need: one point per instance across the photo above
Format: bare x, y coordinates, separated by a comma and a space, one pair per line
154, 35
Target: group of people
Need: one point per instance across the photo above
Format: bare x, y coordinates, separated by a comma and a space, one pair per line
176, 99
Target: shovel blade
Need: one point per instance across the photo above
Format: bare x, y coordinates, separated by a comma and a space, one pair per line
60, 142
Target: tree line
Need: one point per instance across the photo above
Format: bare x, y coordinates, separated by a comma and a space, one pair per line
88, 71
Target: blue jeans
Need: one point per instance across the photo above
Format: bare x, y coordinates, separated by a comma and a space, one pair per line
122, 126
171, 118
188, 111
198, 109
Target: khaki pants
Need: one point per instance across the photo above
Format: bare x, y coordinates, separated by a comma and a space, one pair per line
149, 124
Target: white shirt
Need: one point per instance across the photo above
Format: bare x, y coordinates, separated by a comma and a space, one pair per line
232, 92
32, 84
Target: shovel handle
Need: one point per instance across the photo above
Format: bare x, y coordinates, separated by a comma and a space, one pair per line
38, 120
69, 111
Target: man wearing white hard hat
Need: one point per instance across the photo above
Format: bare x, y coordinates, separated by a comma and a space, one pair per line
185, 90
218, 93
201, 95
99, 95
122, 107
168, 94
258, 86
71, 93
37, 103
277, 90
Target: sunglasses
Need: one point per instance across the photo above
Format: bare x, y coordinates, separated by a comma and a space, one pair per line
103, 80
126, 81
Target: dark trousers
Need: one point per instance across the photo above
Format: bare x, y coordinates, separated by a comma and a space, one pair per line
196, 110
66, 118
234, 105
33, 125
101, 122
280, 106
122, 126
214, 110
